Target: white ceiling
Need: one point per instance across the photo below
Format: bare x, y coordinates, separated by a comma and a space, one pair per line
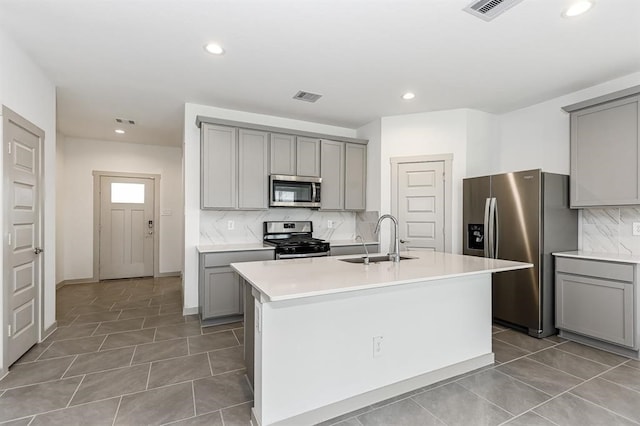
143, 59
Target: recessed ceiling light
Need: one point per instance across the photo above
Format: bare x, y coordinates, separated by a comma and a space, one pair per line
577, 8
214, 48
120, 131
408, 96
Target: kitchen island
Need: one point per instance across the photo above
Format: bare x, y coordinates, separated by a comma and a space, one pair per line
330, 336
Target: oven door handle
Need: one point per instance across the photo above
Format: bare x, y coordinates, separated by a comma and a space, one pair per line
301, 255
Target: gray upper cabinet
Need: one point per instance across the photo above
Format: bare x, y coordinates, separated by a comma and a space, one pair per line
234, 164
307, 156
283, 154
253, 172
355, 177
332, 174
605, 153
219, 167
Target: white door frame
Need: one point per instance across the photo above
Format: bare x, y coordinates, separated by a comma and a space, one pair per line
97, 175
448, 188
7, 117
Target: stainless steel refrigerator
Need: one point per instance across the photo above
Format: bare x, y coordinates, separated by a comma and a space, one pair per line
522, 216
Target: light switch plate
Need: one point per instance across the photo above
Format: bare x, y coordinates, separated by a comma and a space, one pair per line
636, 229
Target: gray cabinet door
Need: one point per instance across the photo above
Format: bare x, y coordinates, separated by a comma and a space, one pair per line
332, 174
218, 167
355, 177
605, 154
222, 293
253, 172
595, 307
283, 154
307, 156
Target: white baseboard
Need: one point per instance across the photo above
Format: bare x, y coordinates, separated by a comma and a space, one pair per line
75, 281
169, 274
47, 332
190, 311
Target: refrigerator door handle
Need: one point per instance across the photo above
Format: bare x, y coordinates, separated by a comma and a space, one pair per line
496, 226
492, 227
487, 243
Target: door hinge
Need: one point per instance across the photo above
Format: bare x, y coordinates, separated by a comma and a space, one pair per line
9, 239
9, 147
9, 330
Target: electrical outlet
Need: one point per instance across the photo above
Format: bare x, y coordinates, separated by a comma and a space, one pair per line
231, 225
329, 224
636, 229
377, 346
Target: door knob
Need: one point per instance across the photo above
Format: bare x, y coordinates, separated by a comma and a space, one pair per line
38, 250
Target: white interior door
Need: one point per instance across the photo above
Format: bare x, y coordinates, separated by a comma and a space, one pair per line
421, 205
22, 259
127, 230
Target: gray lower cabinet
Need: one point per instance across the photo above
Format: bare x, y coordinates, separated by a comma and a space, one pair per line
605, 153
221, 291
597, 299
354, 249
234, 168
222, 295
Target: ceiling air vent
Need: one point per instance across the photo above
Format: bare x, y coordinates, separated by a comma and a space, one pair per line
125, 121
306, 96
489, 9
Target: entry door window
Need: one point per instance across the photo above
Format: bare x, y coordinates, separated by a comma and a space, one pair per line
131, 193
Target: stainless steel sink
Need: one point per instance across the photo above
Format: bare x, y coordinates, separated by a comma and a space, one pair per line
373, 259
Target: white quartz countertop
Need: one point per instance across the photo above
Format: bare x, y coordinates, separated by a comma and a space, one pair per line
609, 257
214, 248
279, 280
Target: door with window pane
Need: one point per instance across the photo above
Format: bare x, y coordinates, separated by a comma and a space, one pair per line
126, 227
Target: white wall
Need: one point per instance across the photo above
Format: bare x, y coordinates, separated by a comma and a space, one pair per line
430, 133
60, 185
191, 165
483, 143
25, 89
538, 136
83, 156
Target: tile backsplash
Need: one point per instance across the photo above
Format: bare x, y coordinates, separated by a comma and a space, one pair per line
610, 230
248, 224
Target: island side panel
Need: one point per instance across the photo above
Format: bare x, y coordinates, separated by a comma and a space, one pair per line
317, 351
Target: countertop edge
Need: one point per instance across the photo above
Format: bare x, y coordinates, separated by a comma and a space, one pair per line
223, 248
298, 296
607, 257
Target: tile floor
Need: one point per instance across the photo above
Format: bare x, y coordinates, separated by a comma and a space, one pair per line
124, 355
533, 382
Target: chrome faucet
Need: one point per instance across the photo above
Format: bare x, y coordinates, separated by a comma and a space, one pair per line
366, 252
395, 256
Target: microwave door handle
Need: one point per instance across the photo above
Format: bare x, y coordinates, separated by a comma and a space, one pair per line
313, 192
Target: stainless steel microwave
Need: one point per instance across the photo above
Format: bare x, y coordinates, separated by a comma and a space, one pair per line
294, 191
